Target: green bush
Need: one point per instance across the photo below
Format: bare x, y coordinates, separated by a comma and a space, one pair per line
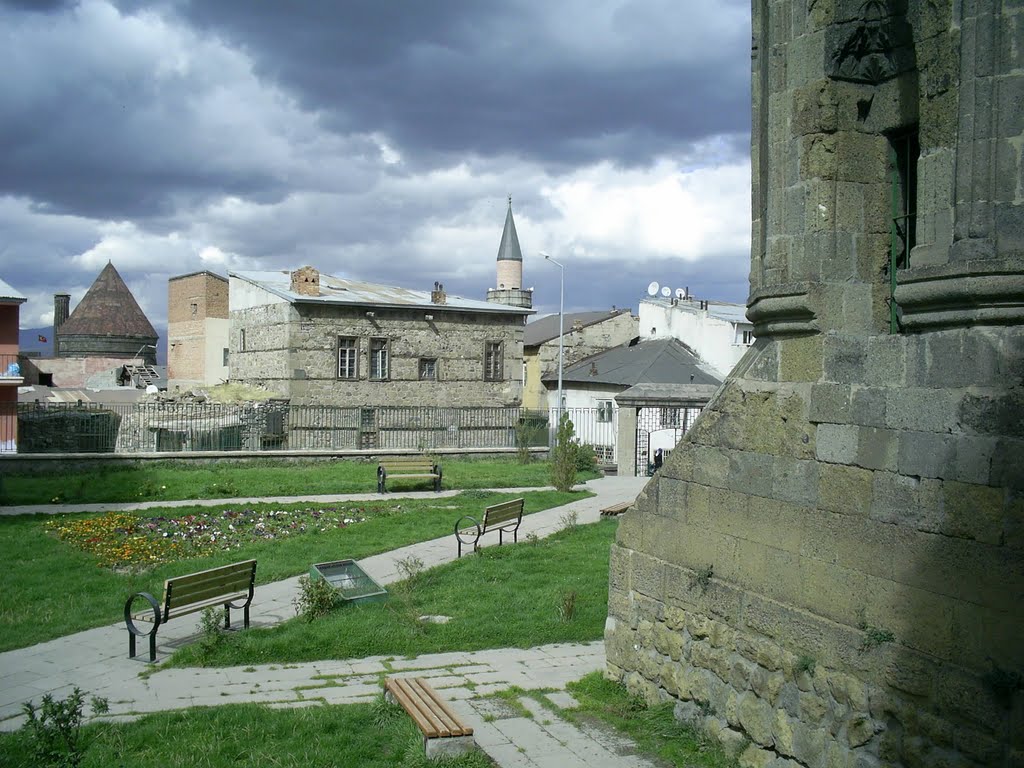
563, 457
316, 598
586, 459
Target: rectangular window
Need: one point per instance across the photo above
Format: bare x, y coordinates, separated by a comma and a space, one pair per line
348, 358
604, 410
428, 369
225, 363
241, 340
670, 417
379, 359
493, 361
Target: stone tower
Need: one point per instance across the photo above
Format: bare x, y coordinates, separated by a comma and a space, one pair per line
829, 569
107, 322
510, 268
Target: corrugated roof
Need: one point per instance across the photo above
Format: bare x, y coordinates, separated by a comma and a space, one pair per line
657, 361
337, 290
509, 249
108, 309
722, 310
546, 328
7, 293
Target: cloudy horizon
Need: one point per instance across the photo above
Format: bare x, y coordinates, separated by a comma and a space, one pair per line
377, 141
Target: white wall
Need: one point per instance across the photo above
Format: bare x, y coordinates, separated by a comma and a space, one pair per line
216, 335
243, 295
716, 341
582, 403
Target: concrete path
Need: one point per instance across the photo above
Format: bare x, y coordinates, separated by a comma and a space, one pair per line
96, 661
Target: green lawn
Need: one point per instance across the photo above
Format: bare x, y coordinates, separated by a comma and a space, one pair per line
166, 481
542, 591
654, 728
52, 588
250, 735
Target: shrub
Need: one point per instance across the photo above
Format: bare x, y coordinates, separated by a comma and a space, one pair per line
563, 458
54, 728
586, 459
316, 598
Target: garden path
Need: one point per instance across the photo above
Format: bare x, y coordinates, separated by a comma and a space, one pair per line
96, 661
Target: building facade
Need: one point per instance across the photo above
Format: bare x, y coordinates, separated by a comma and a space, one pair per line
11, 376
197, 330
829, 569
585, 334
317, 339
717, 331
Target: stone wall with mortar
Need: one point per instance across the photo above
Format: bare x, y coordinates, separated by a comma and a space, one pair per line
829, 569
292, 350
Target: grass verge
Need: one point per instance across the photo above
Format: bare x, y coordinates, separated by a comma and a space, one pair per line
167, 481
510, 596
52, 589
654, 728
251, 734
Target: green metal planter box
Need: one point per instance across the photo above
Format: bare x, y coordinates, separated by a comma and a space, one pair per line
350, 581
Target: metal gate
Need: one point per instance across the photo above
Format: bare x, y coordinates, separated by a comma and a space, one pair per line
659, 428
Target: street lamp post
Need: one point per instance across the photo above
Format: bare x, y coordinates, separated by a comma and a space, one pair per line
561, 326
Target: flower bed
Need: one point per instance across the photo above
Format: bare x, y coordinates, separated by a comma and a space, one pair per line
122, 540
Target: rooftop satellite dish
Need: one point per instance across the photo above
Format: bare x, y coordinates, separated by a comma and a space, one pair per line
680, 293
666, 291
652, 289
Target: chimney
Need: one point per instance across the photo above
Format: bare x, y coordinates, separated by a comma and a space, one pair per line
61, 310
306, 281
438, 296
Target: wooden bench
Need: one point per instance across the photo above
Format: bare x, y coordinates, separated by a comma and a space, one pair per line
443, 731
190, 593
504, 517
418, 467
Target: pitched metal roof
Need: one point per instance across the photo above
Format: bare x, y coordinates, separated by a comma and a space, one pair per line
8, 294
338, 290
509, 249
108, 309
722, 310
656, 361
546, 328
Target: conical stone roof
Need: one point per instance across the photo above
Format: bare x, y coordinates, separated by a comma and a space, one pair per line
108, 309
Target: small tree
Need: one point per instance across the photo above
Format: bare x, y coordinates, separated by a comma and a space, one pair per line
563, 458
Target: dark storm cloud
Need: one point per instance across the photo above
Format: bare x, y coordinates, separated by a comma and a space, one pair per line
447, 78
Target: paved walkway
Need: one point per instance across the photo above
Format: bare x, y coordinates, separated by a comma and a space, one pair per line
96, 661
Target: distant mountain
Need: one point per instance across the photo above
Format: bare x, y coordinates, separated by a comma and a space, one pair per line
36, 340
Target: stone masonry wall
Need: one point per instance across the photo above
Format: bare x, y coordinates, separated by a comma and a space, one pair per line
829, 568
292, 350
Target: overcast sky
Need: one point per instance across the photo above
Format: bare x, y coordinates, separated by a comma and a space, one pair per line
376, 140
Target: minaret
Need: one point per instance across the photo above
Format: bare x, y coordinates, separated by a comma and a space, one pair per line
510, 268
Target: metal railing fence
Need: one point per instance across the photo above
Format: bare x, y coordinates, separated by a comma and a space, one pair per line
164, 426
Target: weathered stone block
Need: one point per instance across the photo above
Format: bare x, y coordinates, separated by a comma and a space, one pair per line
878, 448
973, 512
756, 718
750, 473
800, 359
672, 498
999, 415
973, 462
923, 410
831, 403
844, 358
836, 443
845, 489
868, 406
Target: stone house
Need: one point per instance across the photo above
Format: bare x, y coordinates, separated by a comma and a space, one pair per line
10, 369
197, 330
318, 339
717, 331
829, 569
585, 334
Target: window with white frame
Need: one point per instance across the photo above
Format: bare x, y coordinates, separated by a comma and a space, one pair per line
604, 410
379, 361
428, 369
348, 358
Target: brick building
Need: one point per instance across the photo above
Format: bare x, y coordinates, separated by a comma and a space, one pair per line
318, 339
197, 330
